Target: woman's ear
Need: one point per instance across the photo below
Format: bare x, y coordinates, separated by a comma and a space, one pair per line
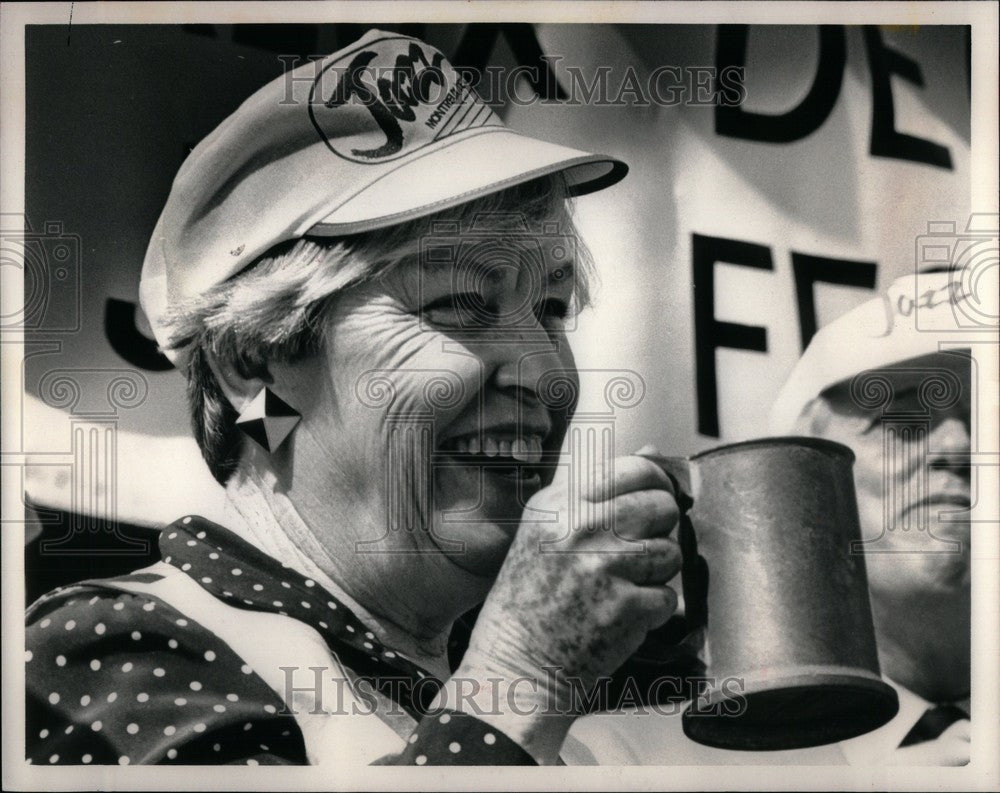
262, 415
238, 388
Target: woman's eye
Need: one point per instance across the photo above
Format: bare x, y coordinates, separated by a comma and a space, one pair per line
458, 310
469, 310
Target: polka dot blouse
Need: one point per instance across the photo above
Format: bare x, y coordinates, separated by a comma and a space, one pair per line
116, 677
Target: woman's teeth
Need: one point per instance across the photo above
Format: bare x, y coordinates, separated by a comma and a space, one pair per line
526, 449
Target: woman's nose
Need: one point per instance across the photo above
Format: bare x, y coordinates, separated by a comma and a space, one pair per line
528, 360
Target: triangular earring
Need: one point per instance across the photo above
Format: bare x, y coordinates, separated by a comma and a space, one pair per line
268, 420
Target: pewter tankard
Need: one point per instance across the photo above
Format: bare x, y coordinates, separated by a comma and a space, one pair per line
778, 602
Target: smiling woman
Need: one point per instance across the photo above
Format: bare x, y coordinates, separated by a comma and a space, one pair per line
375, 343
278, 309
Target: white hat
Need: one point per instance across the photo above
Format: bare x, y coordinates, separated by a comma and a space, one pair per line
383, 131
912, 319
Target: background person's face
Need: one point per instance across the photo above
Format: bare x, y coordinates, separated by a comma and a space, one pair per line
913, 482
426, 416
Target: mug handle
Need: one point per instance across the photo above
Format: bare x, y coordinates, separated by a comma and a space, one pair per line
694, 568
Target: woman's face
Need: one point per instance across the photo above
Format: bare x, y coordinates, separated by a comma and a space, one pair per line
441, 399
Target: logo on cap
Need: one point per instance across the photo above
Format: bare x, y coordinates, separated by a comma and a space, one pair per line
391, 97
952, 293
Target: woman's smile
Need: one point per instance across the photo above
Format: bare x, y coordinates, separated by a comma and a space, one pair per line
523, 448
509, 455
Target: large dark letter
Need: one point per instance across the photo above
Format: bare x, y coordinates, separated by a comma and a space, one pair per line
800, 121
886, 141
710, 334
810, 269
476, 47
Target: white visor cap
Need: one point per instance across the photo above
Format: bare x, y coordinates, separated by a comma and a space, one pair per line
381, 132
918, 315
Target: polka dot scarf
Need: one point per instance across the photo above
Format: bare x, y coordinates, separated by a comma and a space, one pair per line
242, 576
117, 677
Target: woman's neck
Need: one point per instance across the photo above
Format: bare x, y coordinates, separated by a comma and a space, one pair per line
267, 518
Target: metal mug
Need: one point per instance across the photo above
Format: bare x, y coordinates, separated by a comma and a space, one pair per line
774, 596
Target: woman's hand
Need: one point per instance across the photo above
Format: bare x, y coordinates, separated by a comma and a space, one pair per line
583, 583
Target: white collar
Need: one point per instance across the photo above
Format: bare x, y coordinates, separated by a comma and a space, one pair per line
873, 747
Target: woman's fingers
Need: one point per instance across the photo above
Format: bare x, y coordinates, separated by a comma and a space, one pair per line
623, 475
655, 604
641, 514
655, 562
589, 601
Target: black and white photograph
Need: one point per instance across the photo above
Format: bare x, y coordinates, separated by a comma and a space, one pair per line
393, 388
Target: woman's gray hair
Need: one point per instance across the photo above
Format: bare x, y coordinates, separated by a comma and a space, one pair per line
275, 310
